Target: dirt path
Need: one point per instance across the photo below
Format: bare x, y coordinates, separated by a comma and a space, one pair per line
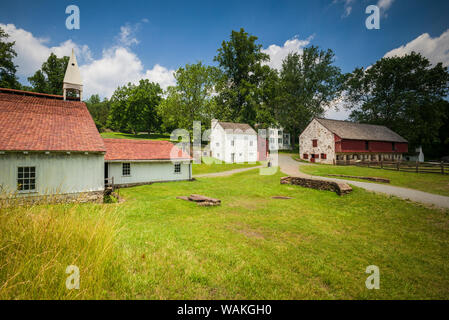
224, 173
291, 168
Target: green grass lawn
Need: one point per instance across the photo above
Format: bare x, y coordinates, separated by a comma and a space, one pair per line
428, 182
120, 135
210, 165
154, 246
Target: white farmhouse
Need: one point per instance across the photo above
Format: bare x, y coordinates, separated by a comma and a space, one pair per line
49, 145
137, 162
233, 142
278, 139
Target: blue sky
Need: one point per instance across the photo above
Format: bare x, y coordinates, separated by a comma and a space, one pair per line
154, 38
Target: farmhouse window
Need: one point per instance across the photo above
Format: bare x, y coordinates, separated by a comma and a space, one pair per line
26, 179
315, 143
217, 144
251, 143
323, 156
232, 142
305, 156
126, 169
177, 168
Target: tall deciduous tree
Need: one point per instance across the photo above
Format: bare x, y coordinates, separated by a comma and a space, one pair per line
402, 93
134, 107
99, 110
309, 82
191, 99
50, 77
240, 93
8, 69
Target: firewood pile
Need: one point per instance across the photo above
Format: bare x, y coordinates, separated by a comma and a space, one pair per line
202, 201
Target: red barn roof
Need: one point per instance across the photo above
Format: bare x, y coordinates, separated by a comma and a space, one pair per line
126, 149
37, 122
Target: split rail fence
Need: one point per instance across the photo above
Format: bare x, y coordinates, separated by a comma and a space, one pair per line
418, 167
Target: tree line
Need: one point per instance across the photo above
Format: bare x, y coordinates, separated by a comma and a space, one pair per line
407, 94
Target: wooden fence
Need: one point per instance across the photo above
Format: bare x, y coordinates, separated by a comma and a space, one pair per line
418, 167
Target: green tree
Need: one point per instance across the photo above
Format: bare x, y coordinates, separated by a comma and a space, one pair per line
99, 111
134, 107
8, 69
50, 77
241, 62
308, 83
191, 99
144, 100
402, 93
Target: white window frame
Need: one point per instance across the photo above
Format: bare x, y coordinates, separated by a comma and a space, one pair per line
176, 166
123, 169
23, 178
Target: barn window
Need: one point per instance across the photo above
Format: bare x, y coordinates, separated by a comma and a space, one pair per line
26, 179
305, 156
323, 156
393, 146
177, 168
126, 169
315, 143
366, 145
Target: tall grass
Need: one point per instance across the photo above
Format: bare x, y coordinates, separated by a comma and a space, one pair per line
37, 243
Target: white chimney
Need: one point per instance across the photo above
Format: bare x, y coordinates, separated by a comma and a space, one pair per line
72, 78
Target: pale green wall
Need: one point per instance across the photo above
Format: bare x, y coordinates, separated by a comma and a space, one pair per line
55, 172
142, 172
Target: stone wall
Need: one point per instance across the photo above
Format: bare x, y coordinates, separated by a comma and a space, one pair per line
326, 143
84, 197
338, 187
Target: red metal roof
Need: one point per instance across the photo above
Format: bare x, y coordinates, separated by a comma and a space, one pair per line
31, 121
126, 149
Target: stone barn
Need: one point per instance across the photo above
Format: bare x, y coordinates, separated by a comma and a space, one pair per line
329, 141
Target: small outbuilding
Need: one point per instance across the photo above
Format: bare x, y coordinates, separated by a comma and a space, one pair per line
138, 162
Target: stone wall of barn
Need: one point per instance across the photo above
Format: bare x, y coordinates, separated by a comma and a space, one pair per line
55, 173
324, 152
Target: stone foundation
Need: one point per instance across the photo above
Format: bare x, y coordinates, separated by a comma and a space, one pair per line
84, 197
129, 185
338, 187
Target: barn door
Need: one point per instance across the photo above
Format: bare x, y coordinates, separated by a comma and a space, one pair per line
106, 172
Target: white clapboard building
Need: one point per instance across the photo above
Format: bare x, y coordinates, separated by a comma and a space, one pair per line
233, 142
49, 145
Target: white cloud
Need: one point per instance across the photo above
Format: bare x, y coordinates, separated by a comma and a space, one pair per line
384, 5
278, 53
116, 67
435, 49
32, 51
127, 35
347, 5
